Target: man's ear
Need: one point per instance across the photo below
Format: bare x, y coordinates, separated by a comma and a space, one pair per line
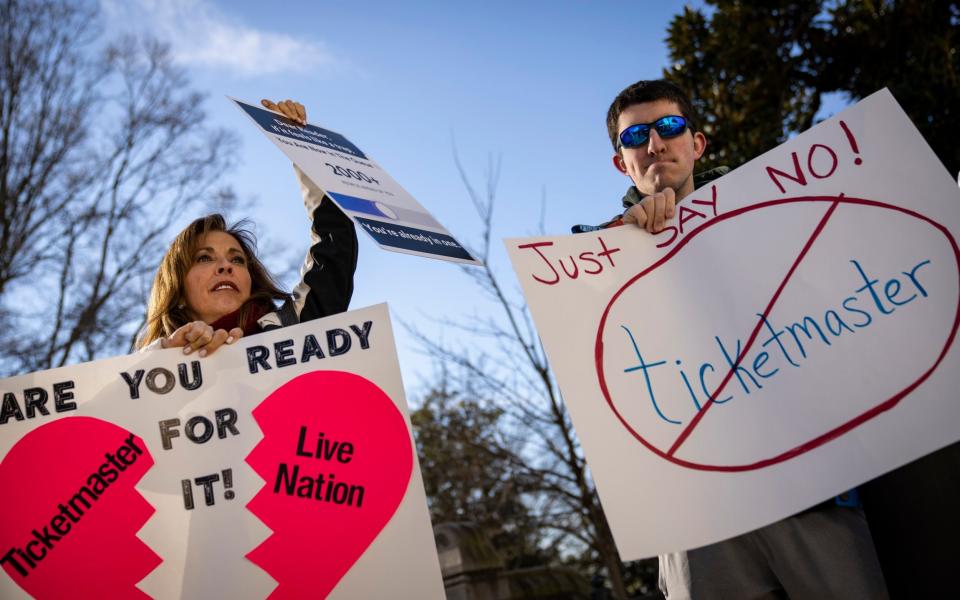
619, 164
699, 144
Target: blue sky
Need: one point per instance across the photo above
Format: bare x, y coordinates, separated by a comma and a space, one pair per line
528, 81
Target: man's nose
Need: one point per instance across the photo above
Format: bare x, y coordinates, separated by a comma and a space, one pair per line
655, 144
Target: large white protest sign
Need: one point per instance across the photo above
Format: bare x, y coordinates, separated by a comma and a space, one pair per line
281, 466
360, 187
789, 336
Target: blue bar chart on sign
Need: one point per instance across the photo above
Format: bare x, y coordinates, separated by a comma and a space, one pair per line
360, 187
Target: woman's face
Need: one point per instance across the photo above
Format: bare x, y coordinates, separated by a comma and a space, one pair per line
218, 282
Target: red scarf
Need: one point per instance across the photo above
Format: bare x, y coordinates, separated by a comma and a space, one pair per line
249, 325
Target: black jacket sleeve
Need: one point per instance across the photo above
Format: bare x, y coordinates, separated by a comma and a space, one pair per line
326, 277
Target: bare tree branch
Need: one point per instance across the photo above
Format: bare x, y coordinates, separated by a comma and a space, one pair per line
504, 366
101, 153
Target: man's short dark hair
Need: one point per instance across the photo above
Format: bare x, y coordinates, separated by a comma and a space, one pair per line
648, 91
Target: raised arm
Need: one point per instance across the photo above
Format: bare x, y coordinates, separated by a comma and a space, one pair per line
326, 276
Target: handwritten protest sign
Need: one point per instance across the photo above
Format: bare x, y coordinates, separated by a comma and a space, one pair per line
360, 187
790, 335
281, 466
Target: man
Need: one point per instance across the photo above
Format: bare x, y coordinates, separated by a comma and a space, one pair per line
823, 552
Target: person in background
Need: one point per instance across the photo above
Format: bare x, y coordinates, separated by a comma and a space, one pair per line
823, 552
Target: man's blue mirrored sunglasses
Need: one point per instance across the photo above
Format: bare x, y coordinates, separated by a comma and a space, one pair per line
667, 127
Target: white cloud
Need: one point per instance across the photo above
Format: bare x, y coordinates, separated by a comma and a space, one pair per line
202, 35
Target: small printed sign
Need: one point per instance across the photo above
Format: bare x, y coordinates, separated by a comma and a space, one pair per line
360, 187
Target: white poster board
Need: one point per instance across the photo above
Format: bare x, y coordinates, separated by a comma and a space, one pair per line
360, 187
788, 337
281, 466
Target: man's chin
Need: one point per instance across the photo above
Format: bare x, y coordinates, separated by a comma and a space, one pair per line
655, 184
659, 182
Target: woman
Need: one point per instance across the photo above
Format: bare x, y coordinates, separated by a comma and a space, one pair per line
211, 289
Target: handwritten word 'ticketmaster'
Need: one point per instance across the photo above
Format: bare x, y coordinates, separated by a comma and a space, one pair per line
857, 314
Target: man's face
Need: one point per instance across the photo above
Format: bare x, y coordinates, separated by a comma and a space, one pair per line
660, 163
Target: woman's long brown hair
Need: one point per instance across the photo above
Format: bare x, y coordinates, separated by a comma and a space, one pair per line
166, 311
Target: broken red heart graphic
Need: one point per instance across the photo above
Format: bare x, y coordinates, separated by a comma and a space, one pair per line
69, 522
337, 458
885, 402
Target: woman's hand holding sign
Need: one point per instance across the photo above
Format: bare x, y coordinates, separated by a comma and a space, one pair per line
288, 108
197, 335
